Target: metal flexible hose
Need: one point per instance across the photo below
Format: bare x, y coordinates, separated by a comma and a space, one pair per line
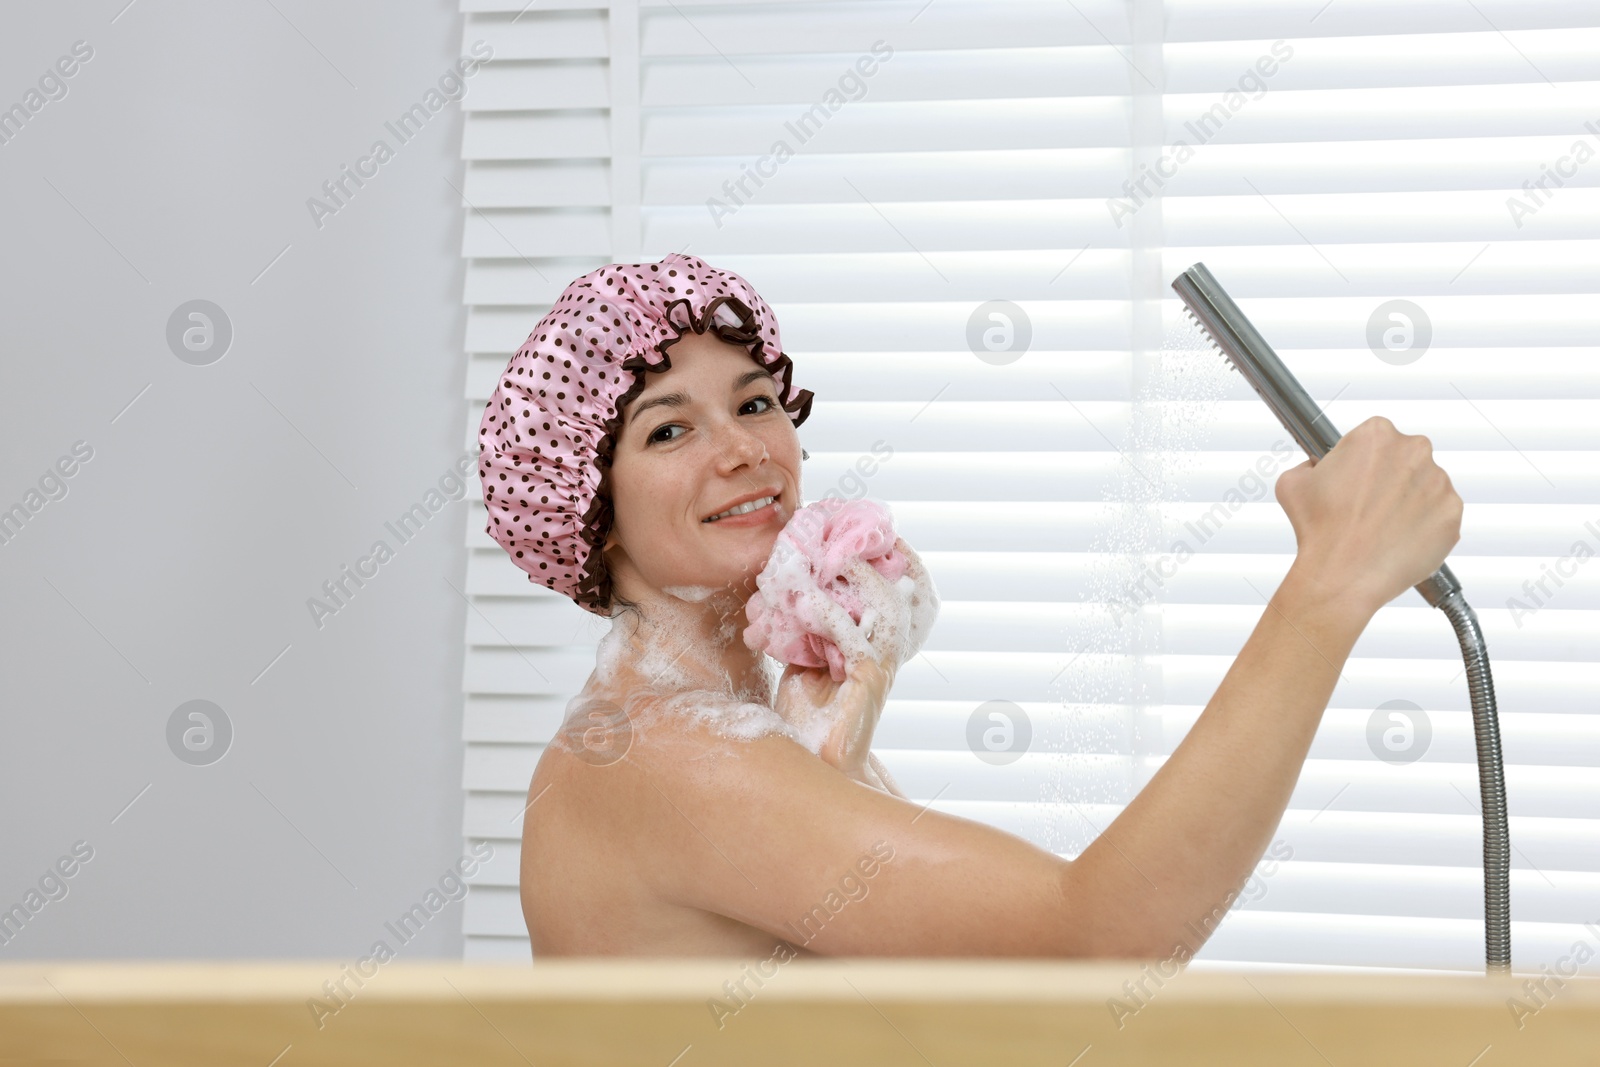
1491, 784
1209, 306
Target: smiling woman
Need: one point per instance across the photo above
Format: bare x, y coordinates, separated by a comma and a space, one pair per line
552, 424
682, 810
701, 473
688, 457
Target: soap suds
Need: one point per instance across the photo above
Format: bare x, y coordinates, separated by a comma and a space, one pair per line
601, 732
661, 666
661, 663
692, 594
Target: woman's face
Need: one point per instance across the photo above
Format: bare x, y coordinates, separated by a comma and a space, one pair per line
715, 436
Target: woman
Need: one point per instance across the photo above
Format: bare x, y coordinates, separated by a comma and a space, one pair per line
677, 814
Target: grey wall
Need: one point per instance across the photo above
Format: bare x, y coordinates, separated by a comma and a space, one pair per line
219, 497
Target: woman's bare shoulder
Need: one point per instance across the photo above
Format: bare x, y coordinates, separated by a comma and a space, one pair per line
707, 812
645, 789
662, 729
636, 755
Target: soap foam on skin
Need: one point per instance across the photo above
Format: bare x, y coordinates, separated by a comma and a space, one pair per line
692, 594
661, 663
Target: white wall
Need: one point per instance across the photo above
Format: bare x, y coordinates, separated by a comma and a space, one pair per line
179, 563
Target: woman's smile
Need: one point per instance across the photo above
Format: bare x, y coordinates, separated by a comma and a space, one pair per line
759, 517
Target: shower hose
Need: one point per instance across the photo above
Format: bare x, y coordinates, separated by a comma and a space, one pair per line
1210, 307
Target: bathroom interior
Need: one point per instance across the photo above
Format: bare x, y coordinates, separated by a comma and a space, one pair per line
1073, 285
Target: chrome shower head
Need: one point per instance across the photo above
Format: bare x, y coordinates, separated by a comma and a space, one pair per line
1210, 308
1220, 319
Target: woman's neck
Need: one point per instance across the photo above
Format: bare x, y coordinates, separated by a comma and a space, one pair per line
681, 640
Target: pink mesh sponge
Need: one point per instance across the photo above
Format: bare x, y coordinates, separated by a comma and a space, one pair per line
789, 618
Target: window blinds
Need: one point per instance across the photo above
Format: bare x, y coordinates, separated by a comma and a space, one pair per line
1347, 170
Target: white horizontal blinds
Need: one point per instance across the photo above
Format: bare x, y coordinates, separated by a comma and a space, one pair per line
972, 169
539, 197
971, 164
1377, 166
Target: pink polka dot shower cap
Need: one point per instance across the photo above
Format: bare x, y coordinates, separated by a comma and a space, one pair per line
548, 431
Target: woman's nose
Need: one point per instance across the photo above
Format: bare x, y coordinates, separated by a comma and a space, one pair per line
738, 445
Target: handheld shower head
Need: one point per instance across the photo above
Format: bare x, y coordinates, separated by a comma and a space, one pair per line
1227, 328
1210, 307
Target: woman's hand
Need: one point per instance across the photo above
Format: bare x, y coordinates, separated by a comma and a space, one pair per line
1374, 516
809, 699
808, 696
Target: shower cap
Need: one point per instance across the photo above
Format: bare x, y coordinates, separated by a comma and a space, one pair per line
547, 434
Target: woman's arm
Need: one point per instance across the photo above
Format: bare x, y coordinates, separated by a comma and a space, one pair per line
1372, 518
1174, 860
767, 833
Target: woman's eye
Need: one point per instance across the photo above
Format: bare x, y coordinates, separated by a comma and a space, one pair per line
656, 438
